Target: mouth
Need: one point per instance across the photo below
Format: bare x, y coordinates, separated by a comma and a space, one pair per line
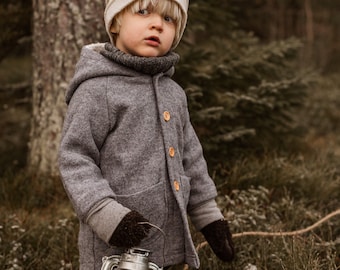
153, 39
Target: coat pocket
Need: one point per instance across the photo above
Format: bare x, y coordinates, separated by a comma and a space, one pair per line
151, 203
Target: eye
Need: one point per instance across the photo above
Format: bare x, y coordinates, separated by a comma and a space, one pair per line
143, 12
169, 19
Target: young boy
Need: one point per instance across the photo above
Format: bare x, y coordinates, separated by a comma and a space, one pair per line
129, 156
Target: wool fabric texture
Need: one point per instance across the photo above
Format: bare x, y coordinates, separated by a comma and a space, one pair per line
147, 65
220, 240
113, 7
114, 156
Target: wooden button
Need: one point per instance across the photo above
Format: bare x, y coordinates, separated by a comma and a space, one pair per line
172, 152
166, 116
176, 185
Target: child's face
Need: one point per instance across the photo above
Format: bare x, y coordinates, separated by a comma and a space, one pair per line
146, 33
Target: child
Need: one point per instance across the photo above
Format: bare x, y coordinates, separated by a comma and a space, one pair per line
129, 156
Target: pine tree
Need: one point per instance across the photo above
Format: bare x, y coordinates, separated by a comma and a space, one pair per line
242, 94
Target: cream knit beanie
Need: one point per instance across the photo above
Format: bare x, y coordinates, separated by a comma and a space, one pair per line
113, 7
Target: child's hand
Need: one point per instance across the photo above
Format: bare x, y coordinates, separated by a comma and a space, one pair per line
129, 232
220, 240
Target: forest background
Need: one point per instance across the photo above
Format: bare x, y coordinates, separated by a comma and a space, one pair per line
262, 78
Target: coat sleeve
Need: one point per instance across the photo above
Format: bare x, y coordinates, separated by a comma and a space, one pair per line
86, 126
201, 207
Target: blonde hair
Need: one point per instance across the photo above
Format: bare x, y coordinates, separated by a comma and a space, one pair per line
163, 7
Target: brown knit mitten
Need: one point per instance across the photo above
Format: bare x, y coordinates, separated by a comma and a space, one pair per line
129, 233
220, 240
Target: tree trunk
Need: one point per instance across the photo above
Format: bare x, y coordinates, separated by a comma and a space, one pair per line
60, 29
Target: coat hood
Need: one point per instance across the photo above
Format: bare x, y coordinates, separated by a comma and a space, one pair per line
103, 59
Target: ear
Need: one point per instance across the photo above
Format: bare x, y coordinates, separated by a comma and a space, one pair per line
113, 29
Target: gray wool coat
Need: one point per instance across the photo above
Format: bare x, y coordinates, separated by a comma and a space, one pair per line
128, 144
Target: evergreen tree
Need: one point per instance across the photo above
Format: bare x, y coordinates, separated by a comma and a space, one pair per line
242, 94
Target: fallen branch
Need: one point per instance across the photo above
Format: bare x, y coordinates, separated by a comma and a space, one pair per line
292, 233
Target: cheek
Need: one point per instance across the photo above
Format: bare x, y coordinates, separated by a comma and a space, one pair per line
171, 37
128, 36
172, 32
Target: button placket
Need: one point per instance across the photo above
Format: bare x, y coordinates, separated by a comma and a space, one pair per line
166, 133
167, 117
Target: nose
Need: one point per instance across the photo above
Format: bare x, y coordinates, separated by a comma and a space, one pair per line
156, 22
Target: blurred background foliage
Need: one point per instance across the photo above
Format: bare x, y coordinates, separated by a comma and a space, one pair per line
15, 24
243, 92
263, 89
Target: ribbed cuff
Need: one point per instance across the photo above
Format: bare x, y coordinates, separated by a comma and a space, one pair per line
105, 218
204, 214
